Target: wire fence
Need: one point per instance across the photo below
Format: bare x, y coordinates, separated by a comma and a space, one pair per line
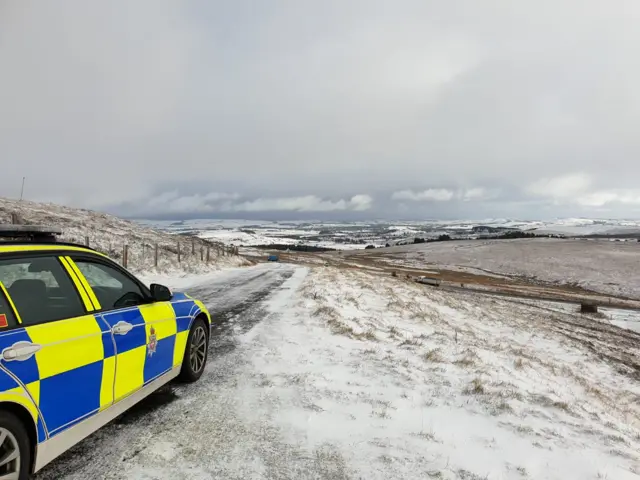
138, 253
139, 249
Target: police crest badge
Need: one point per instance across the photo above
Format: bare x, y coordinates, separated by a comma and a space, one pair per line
153, 342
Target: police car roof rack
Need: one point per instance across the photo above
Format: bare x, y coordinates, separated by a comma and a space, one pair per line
29, 233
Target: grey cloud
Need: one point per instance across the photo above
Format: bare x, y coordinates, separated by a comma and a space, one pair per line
577, 189
445, 195
433, 194
196, 204
298, 108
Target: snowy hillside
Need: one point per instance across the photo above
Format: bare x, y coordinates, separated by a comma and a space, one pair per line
404, 381
110, 234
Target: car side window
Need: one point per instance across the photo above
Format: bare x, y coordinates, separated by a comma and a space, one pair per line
7, 317
113, 288
40, 289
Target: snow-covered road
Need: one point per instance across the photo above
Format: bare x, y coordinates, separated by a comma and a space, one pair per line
196, 431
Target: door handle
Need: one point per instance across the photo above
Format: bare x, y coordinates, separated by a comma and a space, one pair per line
20, 351
122, 328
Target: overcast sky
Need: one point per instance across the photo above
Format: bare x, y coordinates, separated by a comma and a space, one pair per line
323, 109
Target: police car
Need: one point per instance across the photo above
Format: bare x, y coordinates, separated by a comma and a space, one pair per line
81, 341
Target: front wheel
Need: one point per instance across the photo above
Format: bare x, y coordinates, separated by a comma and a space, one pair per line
15, 452
195, 352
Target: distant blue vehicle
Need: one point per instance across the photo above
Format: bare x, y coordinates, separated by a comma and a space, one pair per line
273, 258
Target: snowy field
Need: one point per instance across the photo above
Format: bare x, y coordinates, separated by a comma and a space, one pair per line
356, 235
253, 233
406, 382
271, 236
599, 265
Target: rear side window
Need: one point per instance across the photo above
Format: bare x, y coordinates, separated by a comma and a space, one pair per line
40, 289
7, 318
113, 288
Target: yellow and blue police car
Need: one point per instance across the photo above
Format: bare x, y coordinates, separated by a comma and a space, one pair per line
81, 341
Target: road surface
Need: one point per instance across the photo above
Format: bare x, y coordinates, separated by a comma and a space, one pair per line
194, 431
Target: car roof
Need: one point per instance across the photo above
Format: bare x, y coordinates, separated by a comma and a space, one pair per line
26, 247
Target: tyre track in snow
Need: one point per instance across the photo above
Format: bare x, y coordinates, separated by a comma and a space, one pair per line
235, 303
235, 306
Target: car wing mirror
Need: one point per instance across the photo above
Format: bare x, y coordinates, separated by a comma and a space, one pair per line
160, 293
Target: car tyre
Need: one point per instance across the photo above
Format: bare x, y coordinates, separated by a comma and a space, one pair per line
15, 447
195, 352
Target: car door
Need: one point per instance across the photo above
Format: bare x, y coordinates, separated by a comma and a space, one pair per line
58, 351
144, 330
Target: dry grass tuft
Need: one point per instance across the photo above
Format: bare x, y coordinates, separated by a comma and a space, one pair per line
521, 353
548, 402
351, 299
510, 393
394, 332
524, 429
340, 328
475, 388
366, 335
502, 407
325, 311
469, 359
411, 342
561, 405
433, 356
430, 435
467, 475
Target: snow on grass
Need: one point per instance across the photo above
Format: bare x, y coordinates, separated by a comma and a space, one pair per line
109, 234
602, 266
382, 378
629, 320
185, 280
276, 235
621, 318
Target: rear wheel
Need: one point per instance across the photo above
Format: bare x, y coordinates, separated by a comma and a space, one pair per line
15, 451
195, 353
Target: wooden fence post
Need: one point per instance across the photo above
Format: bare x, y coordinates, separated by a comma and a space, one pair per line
193, 245
208, 253
86, 240
155, 257
125, 255
178, 251
201, 253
